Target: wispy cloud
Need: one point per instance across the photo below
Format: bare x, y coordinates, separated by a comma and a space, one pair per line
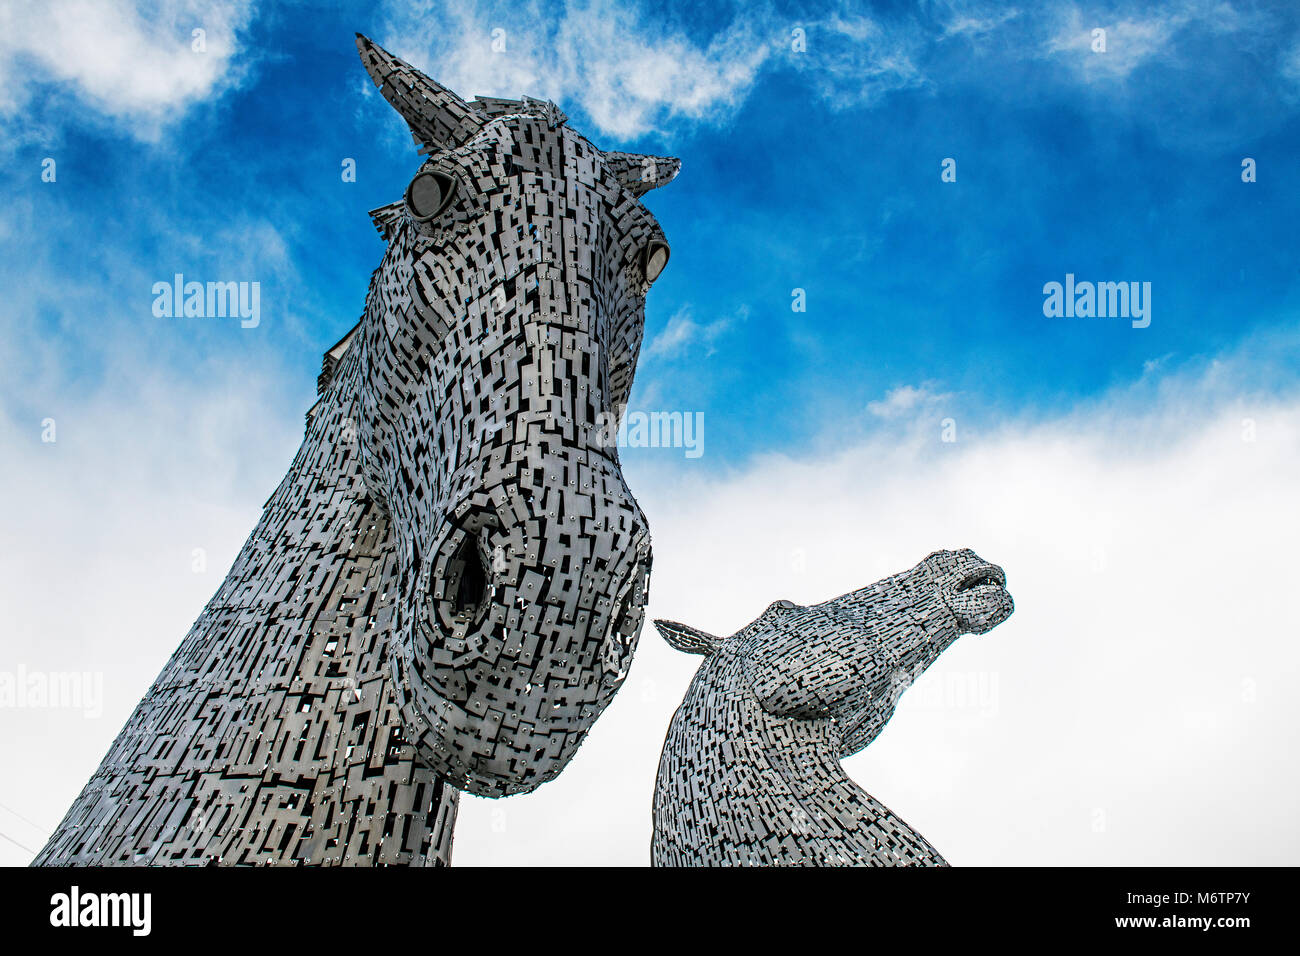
853, 59
968, 21
617, 62
683, 333
632, 74
905, 400
138, 64
1131, 41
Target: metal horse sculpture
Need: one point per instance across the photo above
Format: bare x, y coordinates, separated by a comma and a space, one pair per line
446, 589
751, 772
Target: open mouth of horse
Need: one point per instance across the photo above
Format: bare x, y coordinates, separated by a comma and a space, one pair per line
980, 600
987, 576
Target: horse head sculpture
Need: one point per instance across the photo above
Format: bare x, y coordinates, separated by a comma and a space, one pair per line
500, 333
750, 771
445, 590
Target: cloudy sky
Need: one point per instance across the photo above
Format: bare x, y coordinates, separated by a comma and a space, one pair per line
1138, 484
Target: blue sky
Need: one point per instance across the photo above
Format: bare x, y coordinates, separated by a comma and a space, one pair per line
817, 170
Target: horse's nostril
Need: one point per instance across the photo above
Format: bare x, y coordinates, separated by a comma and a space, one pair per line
465, 587
472, 587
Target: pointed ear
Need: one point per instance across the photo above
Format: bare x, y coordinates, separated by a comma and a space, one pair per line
687, 639
386, 218
640, 172
439, 119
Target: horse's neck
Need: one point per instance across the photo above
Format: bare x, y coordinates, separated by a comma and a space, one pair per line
837, 821
778, 783
271, 734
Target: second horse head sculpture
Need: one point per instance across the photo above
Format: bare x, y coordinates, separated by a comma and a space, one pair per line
750, 772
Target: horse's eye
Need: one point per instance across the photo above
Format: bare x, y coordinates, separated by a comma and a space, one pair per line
429, 194
655, 258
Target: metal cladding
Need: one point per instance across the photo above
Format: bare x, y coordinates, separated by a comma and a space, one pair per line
751, 773
446, 589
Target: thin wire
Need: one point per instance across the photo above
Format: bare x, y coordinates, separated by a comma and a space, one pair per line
16, 843
24, 819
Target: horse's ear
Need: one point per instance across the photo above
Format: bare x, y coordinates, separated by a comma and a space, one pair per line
439, 119
687, 639
386, 218
640, 172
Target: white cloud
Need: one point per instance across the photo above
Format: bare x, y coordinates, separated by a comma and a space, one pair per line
1127, 43
1132, 41
977, 24
97, 573
615, 62
906, 399
630, 73
133, 62
683, 333
854, 60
